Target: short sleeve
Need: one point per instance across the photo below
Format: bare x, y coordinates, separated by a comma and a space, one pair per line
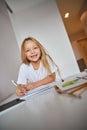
22, 75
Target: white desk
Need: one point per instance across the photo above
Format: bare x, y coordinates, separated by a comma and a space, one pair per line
47, 111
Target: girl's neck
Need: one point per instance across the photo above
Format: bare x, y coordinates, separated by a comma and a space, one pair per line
36, 65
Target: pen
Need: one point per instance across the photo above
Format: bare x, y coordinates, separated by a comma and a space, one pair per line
14, 83
84, 77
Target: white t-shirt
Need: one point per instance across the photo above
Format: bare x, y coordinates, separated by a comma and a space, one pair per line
28, 74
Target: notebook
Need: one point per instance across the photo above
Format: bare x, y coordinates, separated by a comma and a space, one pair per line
73, 81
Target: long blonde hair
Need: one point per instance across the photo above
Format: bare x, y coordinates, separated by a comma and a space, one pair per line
43, 57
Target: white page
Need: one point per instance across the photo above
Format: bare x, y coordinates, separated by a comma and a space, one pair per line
38, 90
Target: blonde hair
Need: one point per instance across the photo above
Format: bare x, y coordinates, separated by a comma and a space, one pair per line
43, 57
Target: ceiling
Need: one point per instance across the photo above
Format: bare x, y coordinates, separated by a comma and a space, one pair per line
74, 7
18, 5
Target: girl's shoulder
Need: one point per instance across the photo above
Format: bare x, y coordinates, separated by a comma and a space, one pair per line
23, 66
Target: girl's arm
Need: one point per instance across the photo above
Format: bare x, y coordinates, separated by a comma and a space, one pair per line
44, 81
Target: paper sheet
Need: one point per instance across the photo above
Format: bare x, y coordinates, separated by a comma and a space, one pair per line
38, 90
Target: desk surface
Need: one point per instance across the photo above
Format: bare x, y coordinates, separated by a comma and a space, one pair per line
47, 111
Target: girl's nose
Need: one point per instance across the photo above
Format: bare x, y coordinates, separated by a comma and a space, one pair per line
32, 51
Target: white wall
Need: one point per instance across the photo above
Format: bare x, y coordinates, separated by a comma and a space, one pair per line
9, 54
44, 22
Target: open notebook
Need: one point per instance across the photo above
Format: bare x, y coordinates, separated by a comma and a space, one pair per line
36, 91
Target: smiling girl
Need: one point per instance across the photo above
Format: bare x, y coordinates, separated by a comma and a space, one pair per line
37, 67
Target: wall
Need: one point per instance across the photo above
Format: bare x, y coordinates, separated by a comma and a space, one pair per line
83, 48
84, 20
9, 54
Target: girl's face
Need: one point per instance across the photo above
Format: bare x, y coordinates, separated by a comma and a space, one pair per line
32, 51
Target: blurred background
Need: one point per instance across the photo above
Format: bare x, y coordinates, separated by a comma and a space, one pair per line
74, 16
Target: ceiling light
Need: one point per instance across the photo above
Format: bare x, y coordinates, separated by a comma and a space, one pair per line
66, 15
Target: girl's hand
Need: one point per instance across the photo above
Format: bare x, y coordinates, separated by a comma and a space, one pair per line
21, 90
30, 86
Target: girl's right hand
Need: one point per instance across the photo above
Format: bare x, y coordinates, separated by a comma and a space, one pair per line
21, 90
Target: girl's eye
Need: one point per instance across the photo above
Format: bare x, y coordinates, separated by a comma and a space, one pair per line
36, 47
27, 50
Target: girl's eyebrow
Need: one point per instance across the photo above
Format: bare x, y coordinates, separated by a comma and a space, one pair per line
29, 48
35, 45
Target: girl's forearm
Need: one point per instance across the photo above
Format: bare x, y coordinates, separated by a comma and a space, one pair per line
46, 80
